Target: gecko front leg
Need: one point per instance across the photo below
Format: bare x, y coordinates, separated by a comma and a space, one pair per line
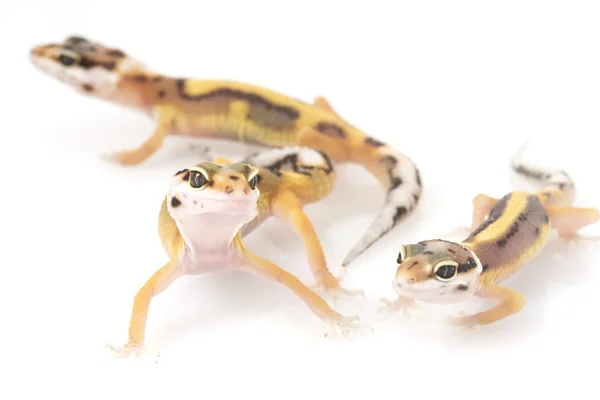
150, 146
344, 325
288, 208
157, 283
508, 302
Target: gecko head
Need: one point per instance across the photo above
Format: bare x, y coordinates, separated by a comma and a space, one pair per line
437, 271
228, 192
87, 66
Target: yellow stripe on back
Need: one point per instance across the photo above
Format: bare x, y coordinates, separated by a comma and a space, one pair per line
514, 207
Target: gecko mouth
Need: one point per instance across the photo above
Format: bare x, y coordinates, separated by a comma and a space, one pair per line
205, 205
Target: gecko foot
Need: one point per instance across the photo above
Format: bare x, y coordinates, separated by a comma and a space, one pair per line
137, 352
331, 287
344, 326
463, 322
403, 305
121, 157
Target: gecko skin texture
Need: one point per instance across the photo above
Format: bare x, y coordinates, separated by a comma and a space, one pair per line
235, 111
211, 205
505, 234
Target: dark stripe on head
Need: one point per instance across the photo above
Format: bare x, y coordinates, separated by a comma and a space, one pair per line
462, 287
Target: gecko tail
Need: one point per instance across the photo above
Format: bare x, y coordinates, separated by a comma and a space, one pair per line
402, 179
558, 187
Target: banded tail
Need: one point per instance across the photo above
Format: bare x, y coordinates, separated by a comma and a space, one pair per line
558, 187
402, 181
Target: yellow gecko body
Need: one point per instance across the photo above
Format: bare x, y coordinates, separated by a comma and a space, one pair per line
232, 110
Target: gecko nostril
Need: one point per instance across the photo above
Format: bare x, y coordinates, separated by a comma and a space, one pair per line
228, 189
411, 280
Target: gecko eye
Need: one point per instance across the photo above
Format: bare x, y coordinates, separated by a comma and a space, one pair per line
401, 254
253, 182
446, 270
197, 179
67, 60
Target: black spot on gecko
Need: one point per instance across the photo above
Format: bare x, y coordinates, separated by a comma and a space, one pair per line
275, 171
462, 287
400, 212
88, 63
451, 251
115, 53
330, 129
469, 265
161, 94
501, 243
175, 202
234, 178
537, 231
391, 160
484, 267
428, 252
373, 142
140, 78
87, 87
395, 183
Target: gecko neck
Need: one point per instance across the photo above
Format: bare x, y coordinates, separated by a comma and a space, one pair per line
210, 233
139, 91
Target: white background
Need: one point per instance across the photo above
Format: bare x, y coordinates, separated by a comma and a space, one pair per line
458, 86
